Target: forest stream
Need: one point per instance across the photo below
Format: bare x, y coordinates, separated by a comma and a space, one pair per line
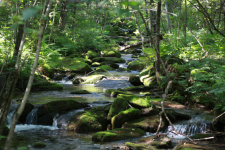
57, 138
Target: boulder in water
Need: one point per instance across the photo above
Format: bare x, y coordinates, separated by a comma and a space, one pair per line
157, 142
114, 92
137, 65
80, 92
39, 145
117, 134
124, 116
111, 53
192, 147
137, 146
89, 121
47, 111
109, 60
92, 79
149, 123
175, 116
27, 109
134, 80
104, 68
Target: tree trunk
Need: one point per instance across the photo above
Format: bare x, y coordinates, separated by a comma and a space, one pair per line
103, 20
139, 29
63, 15
185, 24
30, 82
157, 40
167, 17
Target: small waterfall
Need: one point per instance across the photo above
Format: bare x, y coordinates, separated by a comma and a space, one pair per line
55, 121
11, 113
32, 116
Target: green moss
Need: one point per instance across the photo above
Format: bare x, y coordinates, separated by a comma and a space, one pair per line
137, 65
89, 121
192, 147
23, 148
46, 86
111, 53
92, 54
95, 64
119, 104
135, 146
200, 136
109, 60
39, 145
117, 134
93, 79
137, 88
149, 124
124, 116
2, 140
114, 92
139, 102
80, 92
104, 68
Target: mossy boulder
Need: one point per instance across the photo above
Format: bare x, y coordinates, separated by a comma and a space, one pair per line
46, 86
111, 53
201, 136
114, 92
92, 79
147, 77
119, 104
136, 146
95, 64
47, 111
124, 116
192, 147
92, 54
114, 65
137, 101
162, 141
109, 60
149, 123
27, 109
117, 134
137, 65
39, 145
137, 88
80, 92
175, 116
134, 80
89, 121
104, 68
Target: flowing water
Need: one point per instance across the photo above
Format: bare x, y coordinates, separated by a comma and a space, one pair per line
57, 138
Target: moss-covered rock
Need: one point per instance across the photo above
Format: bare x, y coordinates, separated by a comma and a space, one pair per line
80, 92
136, 146
147, 77
114, 66
109, 60
117, 134
134, 80
149, 123
92, 79
46, 86
119, 104
47, 111
137, 101
175, 116
137, 88
124, 116
137, 65
39, 145
114, 92
95, 64
27, 109
192, 147
92, 54
111, 53
162, 141
104, 68
201, 136
89, 121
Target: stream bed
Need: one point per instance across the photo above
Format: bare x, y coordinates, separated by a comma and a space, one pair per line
57, 138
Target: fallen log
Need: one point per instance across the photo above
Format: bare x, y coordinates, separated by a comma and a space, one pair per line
135, 45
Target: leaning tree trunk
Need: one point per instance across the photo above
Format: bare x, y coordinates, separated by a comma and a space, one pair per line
30, 82
8, 81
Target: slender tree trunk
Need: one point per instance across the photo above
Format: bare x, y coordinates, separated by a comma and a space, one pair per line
167, 17
63, 15
139, 29
178, 26
30, 82
103, 20
185, 24
157, 40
